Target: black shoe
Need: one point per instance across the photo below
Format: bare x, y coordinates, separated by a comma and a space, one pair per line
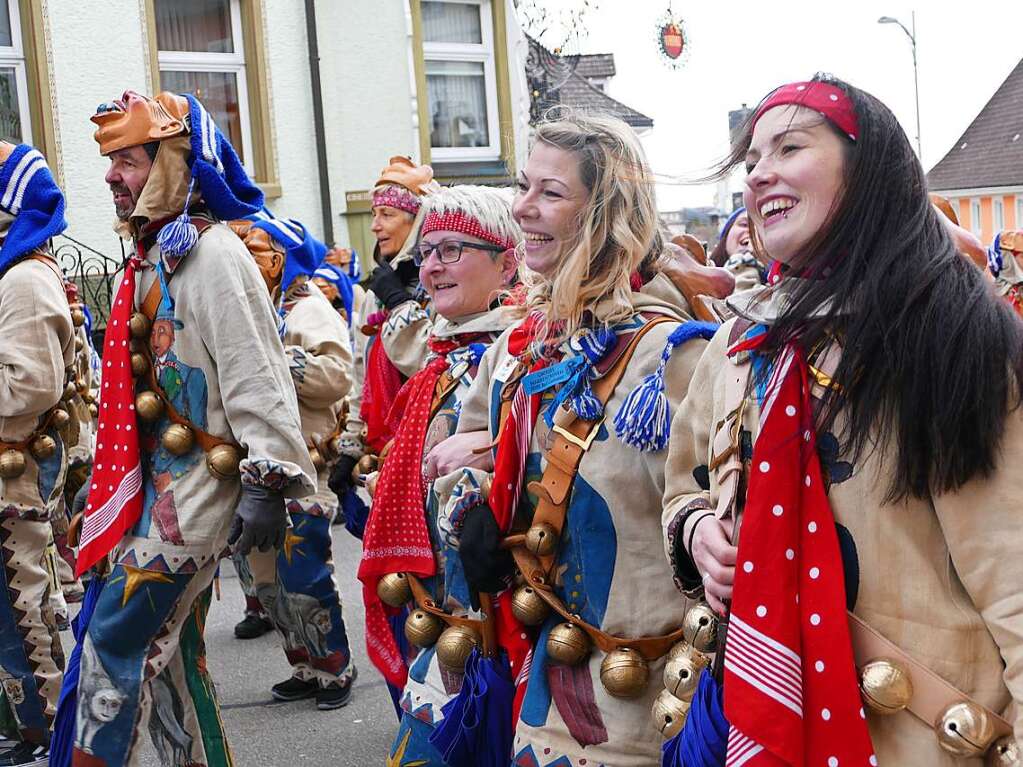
252, 626
329, 698
26, 755
294, 689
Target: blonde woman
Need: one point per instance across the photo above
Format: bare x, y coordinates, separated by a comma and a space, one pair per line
586, 206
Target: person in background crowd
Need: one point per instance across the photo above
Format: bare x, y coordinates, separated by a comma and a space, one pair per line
1004, 256
735, 253
860, 425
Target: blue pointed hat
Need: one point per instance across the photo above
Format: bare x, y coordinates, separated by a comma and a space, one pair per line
304, 252
29, 193
337, 277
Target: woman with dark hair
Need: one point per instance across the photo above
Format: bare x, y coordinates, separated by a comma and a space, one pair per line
862, 410
735, 253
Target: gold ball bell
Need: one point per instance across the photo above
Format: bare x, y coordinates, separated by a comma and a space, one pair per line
700, 627
178, 439
885, 686
77, 316
528, 607
60, 418
138, 325
366, 465
1006, 753
682, 671
79, 344
43, 447
454, 646
567, 644
222, 461
965, 729
422, 629
12, 464
394, 589
317, 458
541, 539
624, 673
93, 410
70, 391
139, 364
669, 714
148, 406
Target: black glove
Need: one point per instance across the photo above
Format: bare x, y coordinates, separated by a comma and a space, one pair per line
387, 285
260, 521
485, 563
78, 503
340, 480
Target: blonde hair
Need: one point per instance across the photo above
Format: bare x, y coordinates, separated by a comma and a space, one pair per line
616, 227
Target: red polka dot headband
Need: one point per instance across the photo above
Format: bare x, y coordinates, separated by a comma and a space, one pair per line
830, 101
457, 221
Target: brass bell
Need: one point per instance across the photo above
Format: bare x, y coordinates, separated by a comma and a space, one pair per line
682, 673
423, 628
965, 729
94, 410
148, 406
542, 539
222, 461
669, 714
700, 627
394, 590
12, 464
77, 316
528, 607
87, 398
70, 391
365, 465
454, 646
79, 344
81, 385
624, 673
317, 458
1005, 753
178, 439
885, 686
60, 418
139, 364
43, 447
567, 644
138, 325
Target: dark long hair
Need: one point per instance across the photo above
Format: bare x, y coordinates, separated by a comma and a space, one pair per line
931, 358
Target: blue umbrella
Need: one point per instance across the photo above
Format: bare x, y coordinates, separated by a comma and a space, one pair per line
704, 738
63, 740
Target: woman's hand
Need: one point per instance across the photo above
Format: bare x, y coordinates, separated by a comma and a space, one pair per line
458, 451
714, 556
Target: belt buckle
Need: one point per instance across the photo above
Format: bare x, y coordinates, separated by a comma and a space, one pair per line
583, 444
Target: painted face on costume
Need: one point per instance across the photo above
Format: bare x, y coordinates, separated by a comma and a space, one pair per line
738, 236
551, 194
161, 338
391, 227
127, 176
796, 165
468, 285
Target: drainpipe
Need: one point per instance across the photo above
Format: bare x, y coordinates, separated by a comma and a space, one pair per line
321, 137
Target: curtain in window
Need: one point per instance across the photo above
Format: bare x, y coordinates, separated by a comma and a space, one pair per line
199, 26
457, 98
218, 92
451, 22
10, 110
6, 36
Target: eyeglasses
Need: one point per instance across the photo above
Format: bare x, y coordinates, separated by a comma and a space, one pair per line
449, 251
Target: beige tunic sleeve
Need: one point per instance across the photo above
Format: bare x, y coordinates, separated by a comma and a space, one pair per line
404, 335
319, 351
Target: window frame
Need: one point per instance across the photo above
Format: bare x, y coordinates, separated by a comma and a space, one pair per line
975, 213
997, 214
484, 52
15, 58
1019, 211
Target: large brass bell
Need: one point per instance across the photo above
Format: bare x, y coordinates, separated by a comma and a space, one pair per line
366, 465
178, 439
60, 418
1005, 753
394, 589
138, 325
541, 539
12, 464
139, 364
700, 627
567, 644
422, 628
528, 607
70, 391
317, 458
77, 316
454, 646
669, 714
94, 410
148, 406
624, 673
81, 385
222, 461
965, 729
682, 671
885, 686
43, 447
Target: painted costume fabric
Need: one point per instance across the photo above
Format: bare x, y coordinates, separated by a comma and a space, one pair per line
605, 572
936, 576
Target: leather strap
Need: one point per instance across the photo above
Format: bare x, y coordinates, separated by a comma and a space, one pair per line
483, 627
44, 423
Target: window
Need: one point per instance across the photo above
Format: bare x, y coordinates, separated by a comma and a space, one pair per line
975, 216
998, 213
461, 86
1019, 211
15, 119
201, 51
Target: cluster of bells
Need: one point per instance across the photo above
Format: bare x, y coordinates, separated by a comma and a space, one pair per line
178, 439
43, 446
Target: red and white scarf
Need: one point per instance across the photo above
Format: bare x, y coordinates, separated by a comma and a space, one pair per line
115, 497
790, 685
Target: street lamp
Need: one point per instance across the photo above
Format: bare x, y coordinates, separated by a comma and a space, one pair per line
916, 81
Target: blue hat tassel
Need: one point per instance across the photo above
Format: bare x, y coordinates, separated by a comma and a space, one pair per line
179, 236
644, 420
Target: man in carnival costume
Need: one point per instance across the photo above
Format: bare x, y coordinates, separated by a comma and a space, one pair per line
1003, 262
36, 353
199, 451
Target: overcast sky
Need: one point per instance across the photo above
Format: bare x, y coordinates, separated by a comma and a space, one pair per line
741, 50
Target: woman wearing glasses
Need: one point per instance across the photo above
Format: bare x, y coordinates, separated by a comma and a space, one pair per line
467, 264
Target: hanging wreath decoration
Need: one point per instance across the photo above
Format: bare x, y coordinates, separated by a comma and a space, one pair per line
672, 39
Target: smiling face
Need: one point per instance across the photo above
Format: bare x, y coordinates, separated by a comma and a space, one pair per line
550, 197
391, 227
127, 175
468, 285
738, 235
796, 165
